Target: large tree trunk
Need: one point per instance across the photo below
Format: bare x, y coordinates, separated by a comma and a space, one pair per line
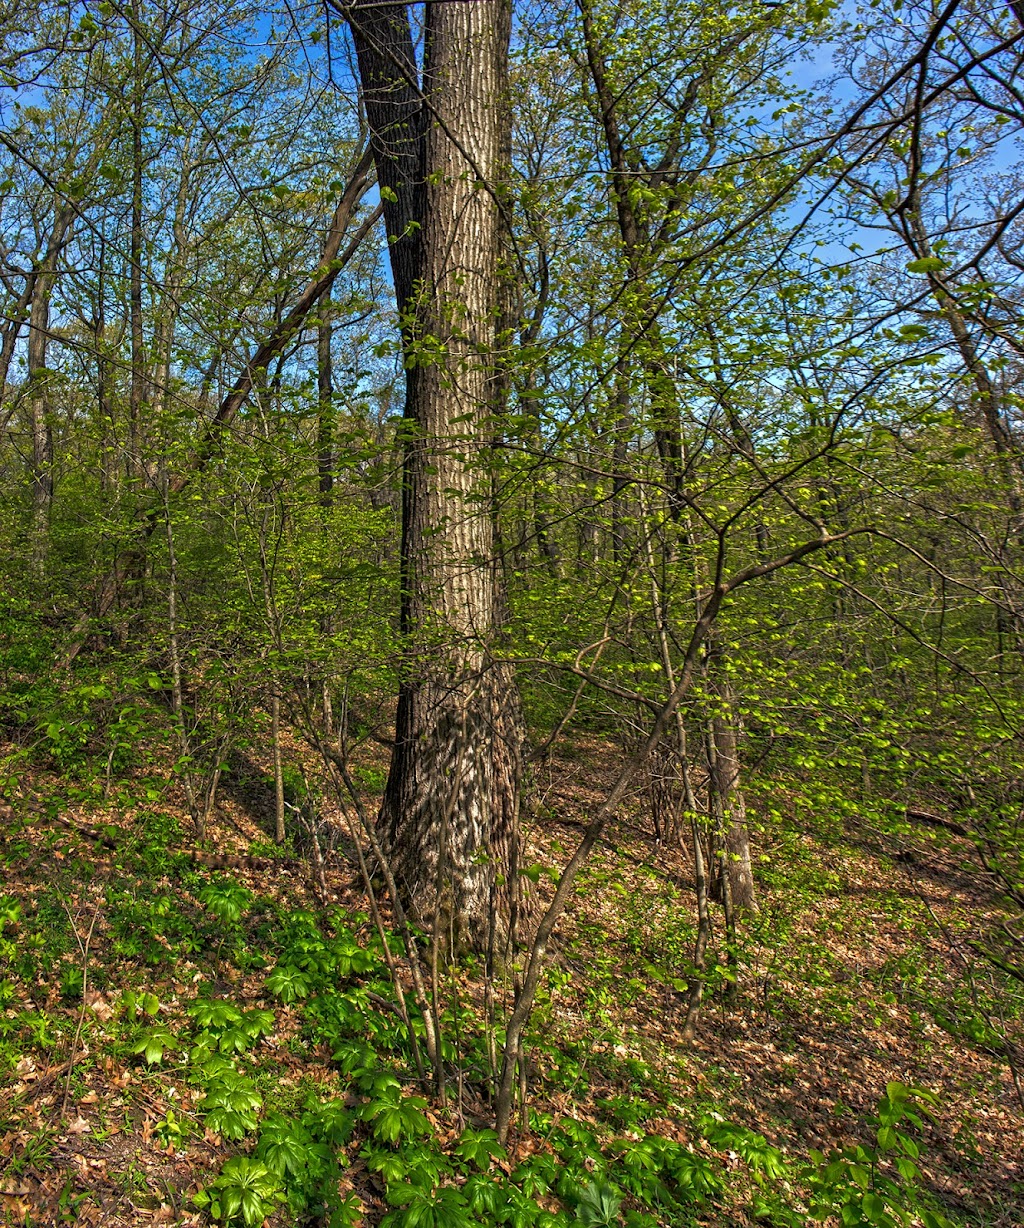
450, 809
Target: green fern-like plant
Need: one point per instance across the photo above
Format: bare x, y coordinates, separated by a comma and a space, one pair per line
245, 1191
215, 1014
225, 899
289, 983
422, 1208
231, 1105
479, 1148
396, 1117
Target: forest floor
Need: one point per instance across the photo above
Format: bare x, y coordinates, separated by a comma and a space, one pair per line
849, 976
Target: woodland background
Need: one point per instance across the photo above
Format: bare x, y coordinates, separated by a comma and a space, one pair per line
752, 478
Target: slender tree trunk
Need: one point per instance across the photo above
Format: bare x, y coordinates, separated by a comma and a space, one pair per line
275, 727
726, 776
620, 449
333, 260
137, 379
325, 403
11, 330
636, 242
104, 400
196, 800
65, 212
165, 324
39, 288
39, 412
700, 878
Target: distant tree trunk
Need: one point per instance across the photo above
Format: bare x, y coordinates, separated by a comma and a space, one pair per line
10, 330
104, 400
167, 308
275, 734
450, 808
620, 448
137, 384
727, 781
36, 297
39, 410
325, 403
636, 242
993, 410
333, 260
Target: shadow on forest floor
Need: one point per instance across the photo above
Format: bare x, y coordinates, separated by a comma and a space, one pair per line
843, 974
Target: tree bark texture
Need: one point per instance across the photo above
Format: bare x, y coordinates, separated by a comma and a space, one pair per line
450, 812
137, 390
726, 772
325, 402
39, 410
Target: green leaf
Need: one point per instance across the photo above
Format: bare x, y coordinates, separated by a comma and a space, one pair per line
153, 1043
401, 1193
245, 1188
929, 264
394, 1120
288, 983
908, 1170
479, 1148
214, 1014
226, 899
258, 1022
599, 1205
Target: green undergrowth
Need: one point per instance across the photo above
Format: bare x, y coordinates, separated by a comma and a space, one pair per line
810, 873
603, 1171
275, 1031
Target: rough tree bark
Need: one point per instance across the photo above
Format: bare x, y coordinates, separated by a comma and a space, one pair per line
325, 402
450, 812
726, 778
137, 391
43, 281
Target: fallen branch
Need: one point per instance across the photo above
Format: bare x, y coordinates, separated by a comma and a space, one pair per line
935, 820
